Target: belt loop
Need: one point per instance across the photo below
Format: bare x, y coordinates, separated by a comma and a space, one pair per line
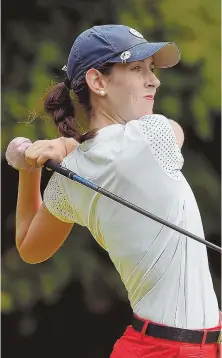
204, 339
144, 330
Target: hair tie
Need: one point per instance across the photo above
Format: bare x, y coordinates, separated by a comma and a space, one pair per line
67, 83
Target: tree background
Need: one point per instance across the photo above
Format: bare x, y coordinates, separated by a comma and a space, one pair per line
75, 304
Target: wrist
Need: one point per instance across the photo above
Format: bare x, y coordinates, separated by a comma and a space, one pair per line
36, 173
69, 144
29, 170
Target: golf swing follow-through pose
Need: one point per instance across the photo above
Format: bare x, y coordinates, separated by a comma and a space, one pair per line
134, 157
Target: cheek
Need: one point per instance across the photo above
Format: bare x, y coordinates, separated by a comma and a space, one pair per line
126, 85
126, 98
134, 89
121, 93
128, 92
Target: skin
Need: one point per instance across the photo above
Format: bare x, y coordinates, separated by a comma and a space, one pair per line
125, 90
38, 233
42, 150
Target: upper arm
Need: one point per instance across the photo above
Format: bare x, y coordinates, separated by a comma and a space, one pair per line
178, 132
45, 236
51, 224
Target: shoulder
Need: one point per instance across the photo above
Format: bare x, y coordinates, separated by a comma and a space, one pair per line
159, 128
159, 139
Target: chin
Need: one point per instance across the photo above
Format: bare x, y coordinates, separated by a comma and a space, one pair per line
147, 110
146, 113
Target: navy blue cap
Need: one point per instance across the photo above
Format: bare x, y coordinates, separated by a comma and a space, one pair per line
115, 44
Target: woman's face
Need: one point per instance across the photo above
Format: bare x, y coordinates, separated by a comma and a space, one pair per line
131, 89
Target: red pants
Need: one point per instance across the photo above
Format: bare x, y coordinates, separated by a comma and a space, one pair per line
137, 345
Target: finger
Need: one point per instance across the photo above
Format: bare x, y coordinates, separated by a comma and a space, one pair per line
32, 155
36, 145
46, 156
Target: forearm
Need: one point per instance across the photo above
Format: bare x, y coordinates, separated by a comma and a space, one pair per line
28, 202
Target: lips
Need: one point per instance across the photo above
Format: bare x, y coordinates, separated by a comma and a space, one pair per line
149, 97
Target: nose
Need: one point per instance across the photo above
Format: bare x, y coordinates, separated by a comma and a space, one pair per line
151, 80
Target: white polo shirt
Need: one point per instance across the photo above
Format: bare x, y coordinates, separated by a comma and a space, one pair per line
165, 273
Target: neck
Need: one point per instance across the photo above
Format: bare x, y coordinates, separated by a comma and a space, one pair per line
103, 119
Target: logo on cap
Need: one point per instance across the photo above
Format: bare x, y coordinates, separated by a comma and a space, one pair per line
136, 33
125, 56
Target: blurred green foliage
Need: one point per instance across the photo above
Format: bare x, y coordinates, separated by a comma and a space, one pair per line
197, 31
190, 93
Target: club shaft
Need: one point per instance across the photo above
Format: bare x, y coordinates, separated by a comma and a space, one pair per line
73, 176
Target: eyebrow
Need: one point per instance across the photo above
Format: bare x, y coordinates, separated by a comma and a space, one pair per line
151, 63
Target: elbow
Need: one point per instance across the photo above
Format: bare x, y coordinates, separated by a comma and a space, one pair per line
28, 257
29, 261
23, 255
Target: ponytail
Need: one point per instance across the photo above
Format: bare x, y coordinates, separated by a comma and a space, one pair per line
60, 106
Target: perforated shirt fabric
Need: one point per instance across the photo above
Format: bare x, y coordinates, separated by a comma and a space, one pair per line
166, 274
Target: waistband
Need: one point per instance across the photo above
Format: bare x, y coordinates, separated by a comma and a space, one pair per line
156, 330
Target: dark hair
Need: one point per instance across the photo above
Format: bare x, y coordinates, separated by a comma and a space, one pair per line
60, 106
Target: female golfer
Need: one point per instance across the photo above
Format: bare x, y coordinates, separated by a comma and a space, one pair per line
137, 155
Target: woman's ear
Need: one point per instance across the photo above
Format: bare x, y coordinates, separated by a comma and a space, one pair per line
96, 82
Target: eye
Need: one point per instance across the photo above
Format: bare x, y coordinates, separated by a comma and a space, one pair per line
152, 68
136, 68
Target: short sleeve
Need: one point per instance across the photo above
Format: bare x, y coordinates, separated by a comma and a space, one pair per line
57, 201
158, 132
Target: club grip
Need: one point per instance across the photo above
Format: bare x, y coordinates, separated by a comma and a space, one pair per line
50, 164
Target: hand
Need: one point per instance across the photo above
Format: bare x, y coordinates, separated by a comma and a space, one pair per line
56, 149
15, 153
21, 154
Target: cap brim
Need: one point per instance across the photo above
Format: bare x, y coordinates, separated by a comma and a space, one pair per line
165, 54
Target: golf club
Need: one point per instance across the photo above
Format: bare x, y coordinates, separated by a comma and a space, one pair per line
73, 176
